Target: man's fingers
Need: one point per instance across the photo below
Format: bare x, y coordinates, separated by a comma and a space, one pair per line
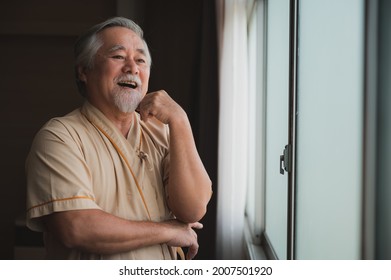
185, 236
196, 225
192, 251
144, 116
160, 105
145, 113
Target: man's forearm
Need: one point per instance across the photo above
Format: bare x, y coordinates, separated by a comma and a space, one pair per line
95, 231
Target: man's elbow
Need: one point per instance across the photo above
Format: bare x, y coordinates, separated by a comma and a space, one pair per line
191, 208
190, 215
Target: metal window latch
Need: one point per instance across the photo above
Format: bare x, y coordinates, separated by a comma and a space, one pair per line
286, 160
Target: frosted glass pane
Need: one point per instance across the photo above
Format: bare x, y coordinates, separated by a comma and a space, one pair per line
329, 129
277, 123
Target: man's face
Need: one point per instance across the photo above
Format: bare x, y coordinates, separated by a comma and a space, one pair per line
119, 78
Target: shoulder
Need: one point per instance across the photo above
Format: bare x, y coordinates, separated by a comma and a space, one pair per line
69, 121
61, 129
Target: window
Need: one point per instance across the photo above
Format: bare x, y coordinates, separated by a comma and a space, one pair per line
319, 179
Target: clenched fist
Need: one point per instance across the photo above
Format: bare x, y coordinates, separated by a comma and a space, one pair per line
160, 105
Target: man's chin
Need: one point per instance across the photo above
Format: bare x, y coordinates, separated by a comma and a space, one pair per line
126, 103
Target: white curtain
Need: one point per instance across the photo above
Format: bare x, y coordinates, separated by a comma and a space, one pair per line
233, 128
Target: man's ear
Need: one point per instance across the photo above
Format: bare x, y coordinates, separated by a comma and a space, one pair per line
82, 73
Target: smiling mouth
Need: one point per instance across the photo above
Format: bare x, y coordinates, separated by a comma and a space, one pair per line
129, 84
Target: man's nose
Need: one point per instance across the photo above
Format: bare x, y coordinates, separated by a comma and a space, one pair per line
131, 67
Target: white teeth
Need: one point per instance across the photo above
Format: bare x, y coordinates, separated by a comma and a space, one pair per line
128, 84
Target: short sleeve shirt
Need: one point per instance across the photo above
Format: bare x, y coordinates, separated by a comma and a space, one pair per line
82, 161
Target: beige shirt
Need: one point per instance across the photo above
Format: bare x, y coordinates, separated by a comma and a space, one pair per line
80, 161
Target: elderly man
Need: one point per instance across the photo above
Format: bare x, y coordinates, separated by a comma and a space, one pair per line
120, 177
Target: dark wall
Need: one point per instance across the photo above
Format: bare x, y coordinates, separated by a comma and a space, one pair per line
37, 82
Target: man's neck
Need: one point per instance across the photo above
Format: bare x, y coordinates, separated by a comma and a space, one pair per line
122, 123
120, 119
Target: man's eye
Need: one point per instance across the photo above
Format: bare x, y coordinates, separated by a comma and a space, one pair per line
140, 60
118, 57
